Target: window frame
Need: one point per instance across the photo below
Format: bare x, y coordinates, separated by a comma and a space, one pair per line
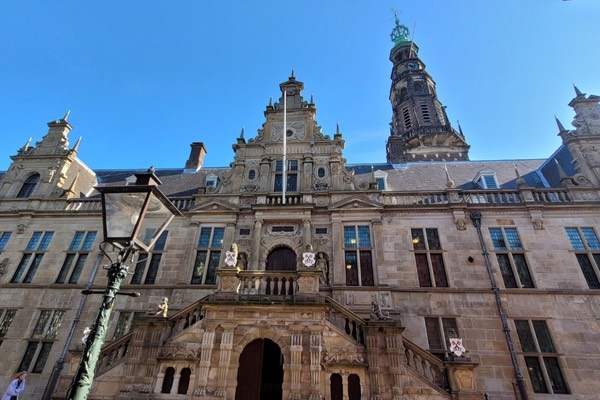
204, 272
442, 326
428, 249
76, 257
510, 248
359, 261
32, 256
148, 263
586, 253
537, 354
41, 340
29, 186
7, 315
291, 173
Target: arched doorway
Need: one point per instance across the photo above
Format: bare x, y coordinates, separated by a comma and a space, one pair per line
281, 259
260, 372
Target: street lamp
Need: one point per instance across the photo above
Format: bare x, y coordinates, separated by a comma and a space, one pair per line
133, 217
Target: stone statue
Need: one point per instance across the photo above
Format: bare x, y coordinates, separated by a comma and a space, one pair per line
163, 307
242, 262
378, 312
231, 256
322, 265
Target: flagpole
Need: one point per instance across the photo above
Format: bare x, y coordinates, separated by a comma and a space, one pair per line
284, 147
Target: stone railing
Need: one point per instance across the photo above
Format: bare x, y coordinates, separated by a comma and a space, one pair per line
345, 320
524, 195
426, 365
267, 283
186, 317
274, 285
289, 199
113, 353
499, 196
94, 204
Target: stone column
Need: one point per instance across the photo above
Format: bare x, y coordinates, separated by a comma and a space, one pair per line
160, 378
295, 363
373, 357
307, 174
253, 265
306, 233
175, 387
206, 349
315, 364
377, 225
224, 360
336, 263
395, 352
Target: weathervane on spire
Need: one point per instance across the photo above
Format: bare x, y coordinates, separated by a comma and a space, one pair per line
400, 32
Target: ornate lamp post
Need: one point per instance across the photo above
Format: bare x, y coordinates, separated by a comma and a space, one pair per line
133, 216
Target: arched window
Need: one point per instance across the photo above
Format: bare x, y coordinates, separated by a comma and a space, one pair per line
418, 88
168, 380
251, 174
321, 172
403, 94
336, 388
184, 381
353, 387
29, 186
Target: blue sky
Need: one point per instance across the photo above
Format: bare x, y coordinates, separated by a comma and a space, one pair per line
144, 79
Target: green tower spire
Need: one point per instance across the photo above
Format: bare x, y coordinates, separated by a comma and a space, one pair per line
400, 32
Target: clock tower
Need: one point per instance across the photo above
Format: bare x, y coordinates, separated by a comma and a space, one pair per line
420, 130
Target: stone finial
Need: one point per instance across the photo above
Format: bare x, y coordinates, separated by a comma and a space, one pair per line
449, 182
75, 148
561, 128
520, 181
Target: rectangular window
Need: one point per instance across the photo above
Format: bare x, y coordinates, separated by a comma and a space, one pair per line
41, 340
124, 322
75, 259
358, 256
6, 318
292, 176
148, 263
380, 183
586, 246
439, 332
4, 236
511, 258
208, 256
540, 357
428, 256
32, 257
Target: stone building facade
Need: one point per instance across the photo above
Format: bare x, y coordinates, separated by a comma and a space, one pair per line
429, 276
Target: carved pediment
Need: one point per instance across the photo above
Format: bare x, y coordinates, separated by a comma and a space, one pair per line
214, 206
357, 203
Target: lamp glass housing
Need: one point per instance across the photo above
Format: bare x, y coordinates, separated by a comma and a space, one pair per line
135, 215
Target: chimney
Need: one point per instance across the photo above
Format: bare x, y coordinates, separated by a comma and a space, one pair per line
197, 153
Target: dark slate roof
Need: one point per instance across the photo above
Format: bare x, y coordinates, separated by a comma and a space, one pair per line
175, 182
432, 175
550, 170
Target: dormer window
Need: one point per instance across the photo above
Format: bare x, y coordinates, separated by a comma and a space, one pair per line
488, 181
211, 181
381, 179
28, 187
